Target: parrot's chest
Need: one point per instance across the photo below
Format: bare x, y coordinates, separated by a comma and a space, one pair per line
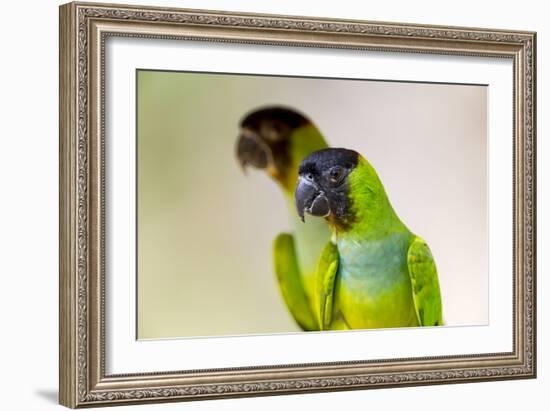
373, 288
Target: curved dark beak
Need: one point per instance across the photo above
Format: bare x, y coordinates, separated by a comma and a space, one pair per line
309, 198
252, 150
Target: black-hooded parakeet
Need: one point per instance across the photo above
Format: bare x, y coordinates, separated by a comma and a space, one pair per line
277, 139
374, 273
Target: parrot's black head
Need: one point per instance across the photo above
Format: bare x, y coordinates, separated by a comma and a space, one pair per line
264, 139
323, 188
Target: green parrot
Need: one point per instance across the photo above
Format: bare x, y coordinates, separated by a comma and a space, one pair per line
276, 139
374, 273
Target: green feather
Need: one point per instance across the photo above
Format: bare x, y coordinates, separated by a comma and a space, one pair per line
290, 283
425, 284
326, 276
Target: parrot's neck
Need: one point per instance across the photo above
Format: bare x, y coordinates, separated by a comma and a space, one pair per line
370, 215
369, 225
304, 141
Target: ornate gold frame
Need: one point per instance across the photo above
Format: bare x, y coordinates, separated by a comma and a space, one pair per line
83, 30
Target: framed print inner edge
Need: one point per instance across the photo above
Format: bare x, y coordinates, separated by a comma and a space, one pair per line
83, 30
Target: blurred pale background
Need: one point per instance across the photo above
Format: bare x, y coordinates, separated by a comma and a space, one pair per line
205, 230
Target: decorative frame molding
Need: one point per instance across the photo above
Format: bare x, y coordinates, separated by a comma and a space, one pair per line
83, 30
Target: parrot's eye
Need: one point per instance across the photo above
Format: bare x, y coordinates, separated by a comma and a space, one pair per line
335, 174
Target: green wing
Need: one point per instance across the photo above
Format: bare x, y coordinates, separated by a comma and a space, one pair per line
326, 276
425, 284
290, 284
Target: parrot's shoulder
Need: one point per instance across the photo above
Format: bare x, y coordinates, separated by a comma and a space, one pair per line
329, 253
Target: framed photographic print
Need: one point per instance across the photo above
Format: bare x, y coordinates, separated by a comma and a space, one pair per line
259, 204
